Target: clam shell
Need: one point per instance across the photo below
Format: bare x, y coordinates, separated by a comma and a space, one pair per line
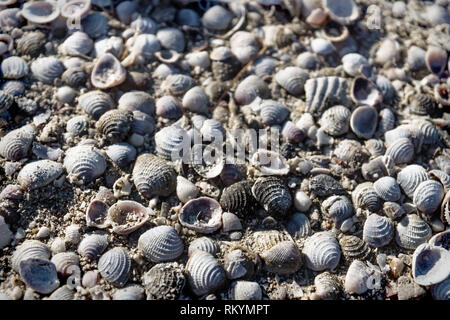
96, 103
230, 174
269, 163
92, 246
115, 125
273, 195
299, 226
40, 12
203, 215
39, 173
153, 176
323, 92
188, 17
354, 248
121, 153
6, 101
292, 79
160, 244
205, 244
144, 25
178, 84
96, 214
378, 231
237, 265
410, 177
328, 286
131, 292
357, 278
186, 190
112, 45
76, 9
171, 142
238, 198
273, 112
401, 151
250, 88
29, 249
352, 63
428, 132
307, 60
74, 77
441, 291
387, 120
14, 68
77, 44
39, 275
66, 263
283, 258
244, 46
322, 46
428, 196
72, 234
387, 188
364, 92
95, 25
345, 12
364, 121
13, 88
245, 290
393, 210
114, 266
108, 72
430, 264
16, 144
171, 38
324, 185
386, 88
164, 281
335, 121
196, 100
265, 66
47, 69
137, 101
412, 231
31, 43
364, 196
349, 151
84, 164
127, 216
436, 59
337, 208
322, 251
169, 107
292, 133
217, 18
143, 124
62, 293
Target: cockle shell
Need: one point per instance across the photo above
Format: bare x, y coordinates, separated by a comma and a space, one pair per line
169, 107
108, 72
292, 133
273, 112
40, 12
76, 44
216, 18
323, 92
345, 12
185, 189
84, 163
144, 25
130, 292
430, 264
205, 275
441, 291
96, 103
363, 121
410, 177
137, 101
14, 68
93, 245
66, 263
72, 234
273, 195
164, 281
47, 69
238, 198
160, 244
337, 208
95, 25
205, 244
322, 251
324, 185
31, 43
127, 216
39, 275
62, 293
29, 249
401, 151
349, 151
114, 266
352, 63
203, 215
6, 101
39, 173
74, 77
16, 144
269, 163
153, 176
412, 231
121, 153
299, 226
386, 121
387, 188
171, 38
436, 59
354, 248
292, 79
245, 290
357, 278
171, 142
335, 120
178, 84
378, 231
264, 66
250, 88
196, 100
328, 286
115, 125
445, 208
428, 196
283, 258
112, 45
244, 46
15, 88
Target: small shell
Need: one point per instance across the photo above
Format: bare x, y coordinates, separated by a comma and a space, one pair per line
95, 25
115, 125
153, 176
323, 92
84, 164
121, 153
357, 278
186, 190
401, 151
66, 263
29, 249
283, 258
349, 151
77, 44
387, 120
269, 163
127, 216
216, 18
273, 112
250, 88
436, 59
237, 265
131, 292
108, 72
299, 226
445, 208
416, 58
238, 198
387, 188
31, 44
137, 101
321, 46
324, 185
75, 9
39, 275
160, 244
171, 142
393, 210
16, 144
335, 121
96, 103
14, 88
62, 293
39, 173
144, 25
14, 68
125, 9
188, 17
345, 12
412, 231
205, 244
171, 38
204, 273
322, 251
328, 286
430, 264
441, 291
352, 63
378, 231
74, 77
410, 177
442, 94
292, 79
388, 51
354, 248
203, 215
196, 100
307, 60
40, 12
178, 84
72, 234
386, 88
143, 124
92, 246
244, 46
364, 196
292, 133
10, 17
428, 196
273, 195
47, 69
6, 101
114, 266
164, 281
265, 66
364, 92
337, 208
245, 290
169, 107
112, 45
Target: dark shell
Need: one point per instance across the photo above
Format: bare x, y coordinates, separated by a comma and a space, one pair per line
354, 248
273, 195
31, 44
238, 198
324, 185
6, 101
164, 281
74, 77
115, 125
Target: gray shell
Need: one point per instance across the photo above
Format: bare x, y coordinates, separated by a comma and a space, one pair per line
337, 208
160, 244
292, 79
178, 84
113, 45
74, 77
364, 196
171, 142
245, 290
217, 18
412, 231
153, 176
349, 151
428, 196
15, 88
27, 250
357, 278
445, 208
164, 281
39, 173
47, 69
96, 214
6, 101
137, 101
196, 100
31, 43
93, 245
108, 72
237, 265
78, 43
323, 92
169, 107
186, 190
299, 226
441, 291
95, 25
143, 124
96, 103
365, 93
335, 120
273, 195
171, 38
203, 215
430, 264
40, 12
237, 198
410, 177
364, 121
401, 151
387, 188
39, 275
283, 258
121, 153
84, 164
127, 216
114, 266
115, 125
66, 263
328, 286
387, 120
393, 210
375, 147
292, 133
250, 88
62, 293
244, 46
16, 144
14, 68
144, 25
378, 231
345, 12
322, 251
354, 248
130, 292
265, 66
205, 244
379, 167
273, 112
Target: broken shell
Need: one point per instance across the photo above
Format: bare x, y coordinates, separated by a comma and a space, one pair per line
324, 185
39, 275
401, 151
40, 12
393, 210
337, 208
387, 188
186, 190
412, 231
357, 278
92, 246
378, 231
335, 120
430, 264
127, 216
66, 263
299, 226
445, 208
96, 214
436, 59
270, 163
39, 173
203, 215
283, 258
328, 286
160, 244
238, 198
237, 265
16, 144
114, 266
273, 195
115, 125
322, 251
47, 69
428, 196
345, 12
245, 290
250, 88
164, 281
96, 103
324, 92
354, 248
84, 164
14, 68
205, 244
72, 234
292, 79
29, 249
364, 92
108, 72
410, 177
169, 107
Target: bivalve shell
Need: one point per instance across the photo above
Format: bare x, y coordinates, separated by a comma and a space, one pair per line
62, 293
299, 226
365, 93
237, 265
47, 69
378, 231
14, 68
39, 173
160, 244
93, 245
410, 177
131, 292
345, 12
178, 84
322, 251
283, 258
216, 18
203, 215
324, 185
29, 249
354, 248
401, 151
250, 88
273, 195
196, 100
245, 290
364, 121
121, 153
441, 291
430, 264
328, 286
273, 112
412, 232
169, 107
77, 44
137, 101
164, 281
39, 275
108, 72
127, 216
115, 125
40, 12
84, 163
269, 163
16, 144
114, 266
335, 120
428, 196
387, 188
337, 208
66, 263
238, 198
357, 278
31, 43
292, 79
205, 244
96, 103
324, 92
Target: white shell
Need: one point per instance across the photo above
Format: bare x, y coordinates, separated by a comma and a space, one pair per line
47, 69
16, 144
27, 250
84, 164
387, 188
114, 266
66, 263
428, 196
108, 72
14, 68
430, 264
270, 163
244, 46
352, 62
186, 190
401, 151
196, 100
245, 290
39, 173
410, 177
344, 12
171, 142
93, 245
76, 44
160, 244
292, 79
322, 251
335, 121
216, 18
357, 277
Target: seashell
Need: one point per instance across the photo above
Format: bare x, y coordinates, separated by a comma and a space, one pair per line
387, 51
96, 214
95, 24
441, 239
160, 244
115, 125
321, 46
14, 68
298, 225
441, 291
127, 216
401, 151
31, 44
144, 25
66, 94
204, 244
77, 44
269, 163
230, 174
92, 246
348, 151
244, 46
436, 59
292, 79
283, 258
6, 101
337, 208
393, 210
205, 275
185, 189
121, 153
131, 292
178, 84
412, 231
354, 248
237, 265
62, 293
346, 12
378, 231
428, 196
364, 92
323, 185
328, 287
112, 45
125, 10
292, 133
74, 77
445, 208
332, 31
66, 263
164, 281
75, 9
435, 14
108, 72
84, 164
387, 120
137, 101
238, 198
416, 58
335, 120
410, 177
385, 87
307, 60
250, 88
217, 18
96, 103
322, 251
352, 63
143, 124
198, 59
273, 112
143, 47
29, 249
273, 195
171, 38
47, 69
39, 173
40, 12
16, 144
10, 18
365, 196
39, 275
428, 132
245, 290
203, 215
169, 107
171, 142
188, 17
13, 88
11, 192
442, 94
153, 176
114, 266
387, 189
357, 278
196, 100
429, 264
264, 66
72, 234
324, 92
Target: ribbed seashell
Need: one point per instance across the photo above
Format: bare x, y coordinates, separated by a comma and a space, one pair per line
112, 45
264, 66
144, 25
39, 275
14, 88
196, 100
62, 293
14, 68
401, 151
324, 185
375, 147
169, 107
386, 88
250, 88
442, 94
171, 141
412, 231
66, 94
261, 241
204, 244
335, 120
273, 195
328, 286
84, 164
217, 18
72, 234
393, 210
338, 208
283, 258
6, 42
178, 84
47, 69
92, 246
238, 198
436, 59
244, 46
39, 173
153, 176
387, 188
364, 196
352, 63
121, 153
76, 44
322, 251
6, 101
387, 120
40, 12
203, 215
298, 225
441, 291
273, 112
115, 125
143, 124
205, 275
428, 196
357, 278
364, 92
16, 144
127, 216
416, 58
95, 25
66, 263
31, 44
445, 208
96, 103
114, 266
324, 92
354, 248
269, 163
430, 264
345, 12
74, 77
399, 132
171, 38
131, 292
137, 101
245, 290
160, 244
164, 281
108, 72
378, 231
410, 177
27, 250
292, 79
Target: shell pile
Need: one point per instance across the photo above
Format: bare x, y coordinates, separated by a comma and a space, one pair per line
182, 149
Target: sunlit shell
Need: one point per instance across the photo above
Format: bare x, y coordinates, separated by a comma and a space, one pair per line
337, 208
283, 258
74, 77
436, 59
62, 293
264, 66
352, 63
354, 248
47, 69
127, 216
412, 231
244, 46
112, 45
292, 133
168, 107
357, 278
445, 208
203, 215
335, 120
39, 275
10, 17
388, 51
196, 100
364, 121
84, 164
428, 196
137, 101
250, 88
237, 265
108, 72
324, 185
324, 92
387, 120
39, 173
273, 195
16, 144
216, 18
364, 196
178, 84
245, 290
299, 226
96, 103
349, 151
31, 43
328, 286
401, 151
292, 79
14, 68
442, 94
410, 177
273, 112
322, 251
143, 124
269, 163
345, 12
160, 244
14, 88
27, 250
378, 231
72, 234
171, 142
164, 281
95, 25
441, 291
430, 264
66, 263
115, 125
75, 9
205, 244
171, 38
144, 25
93, 245
238, 198
321, 46
114, 266
76, 44
185, 189
399, 132
121, 153
96, 214
387, 188
40, 12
